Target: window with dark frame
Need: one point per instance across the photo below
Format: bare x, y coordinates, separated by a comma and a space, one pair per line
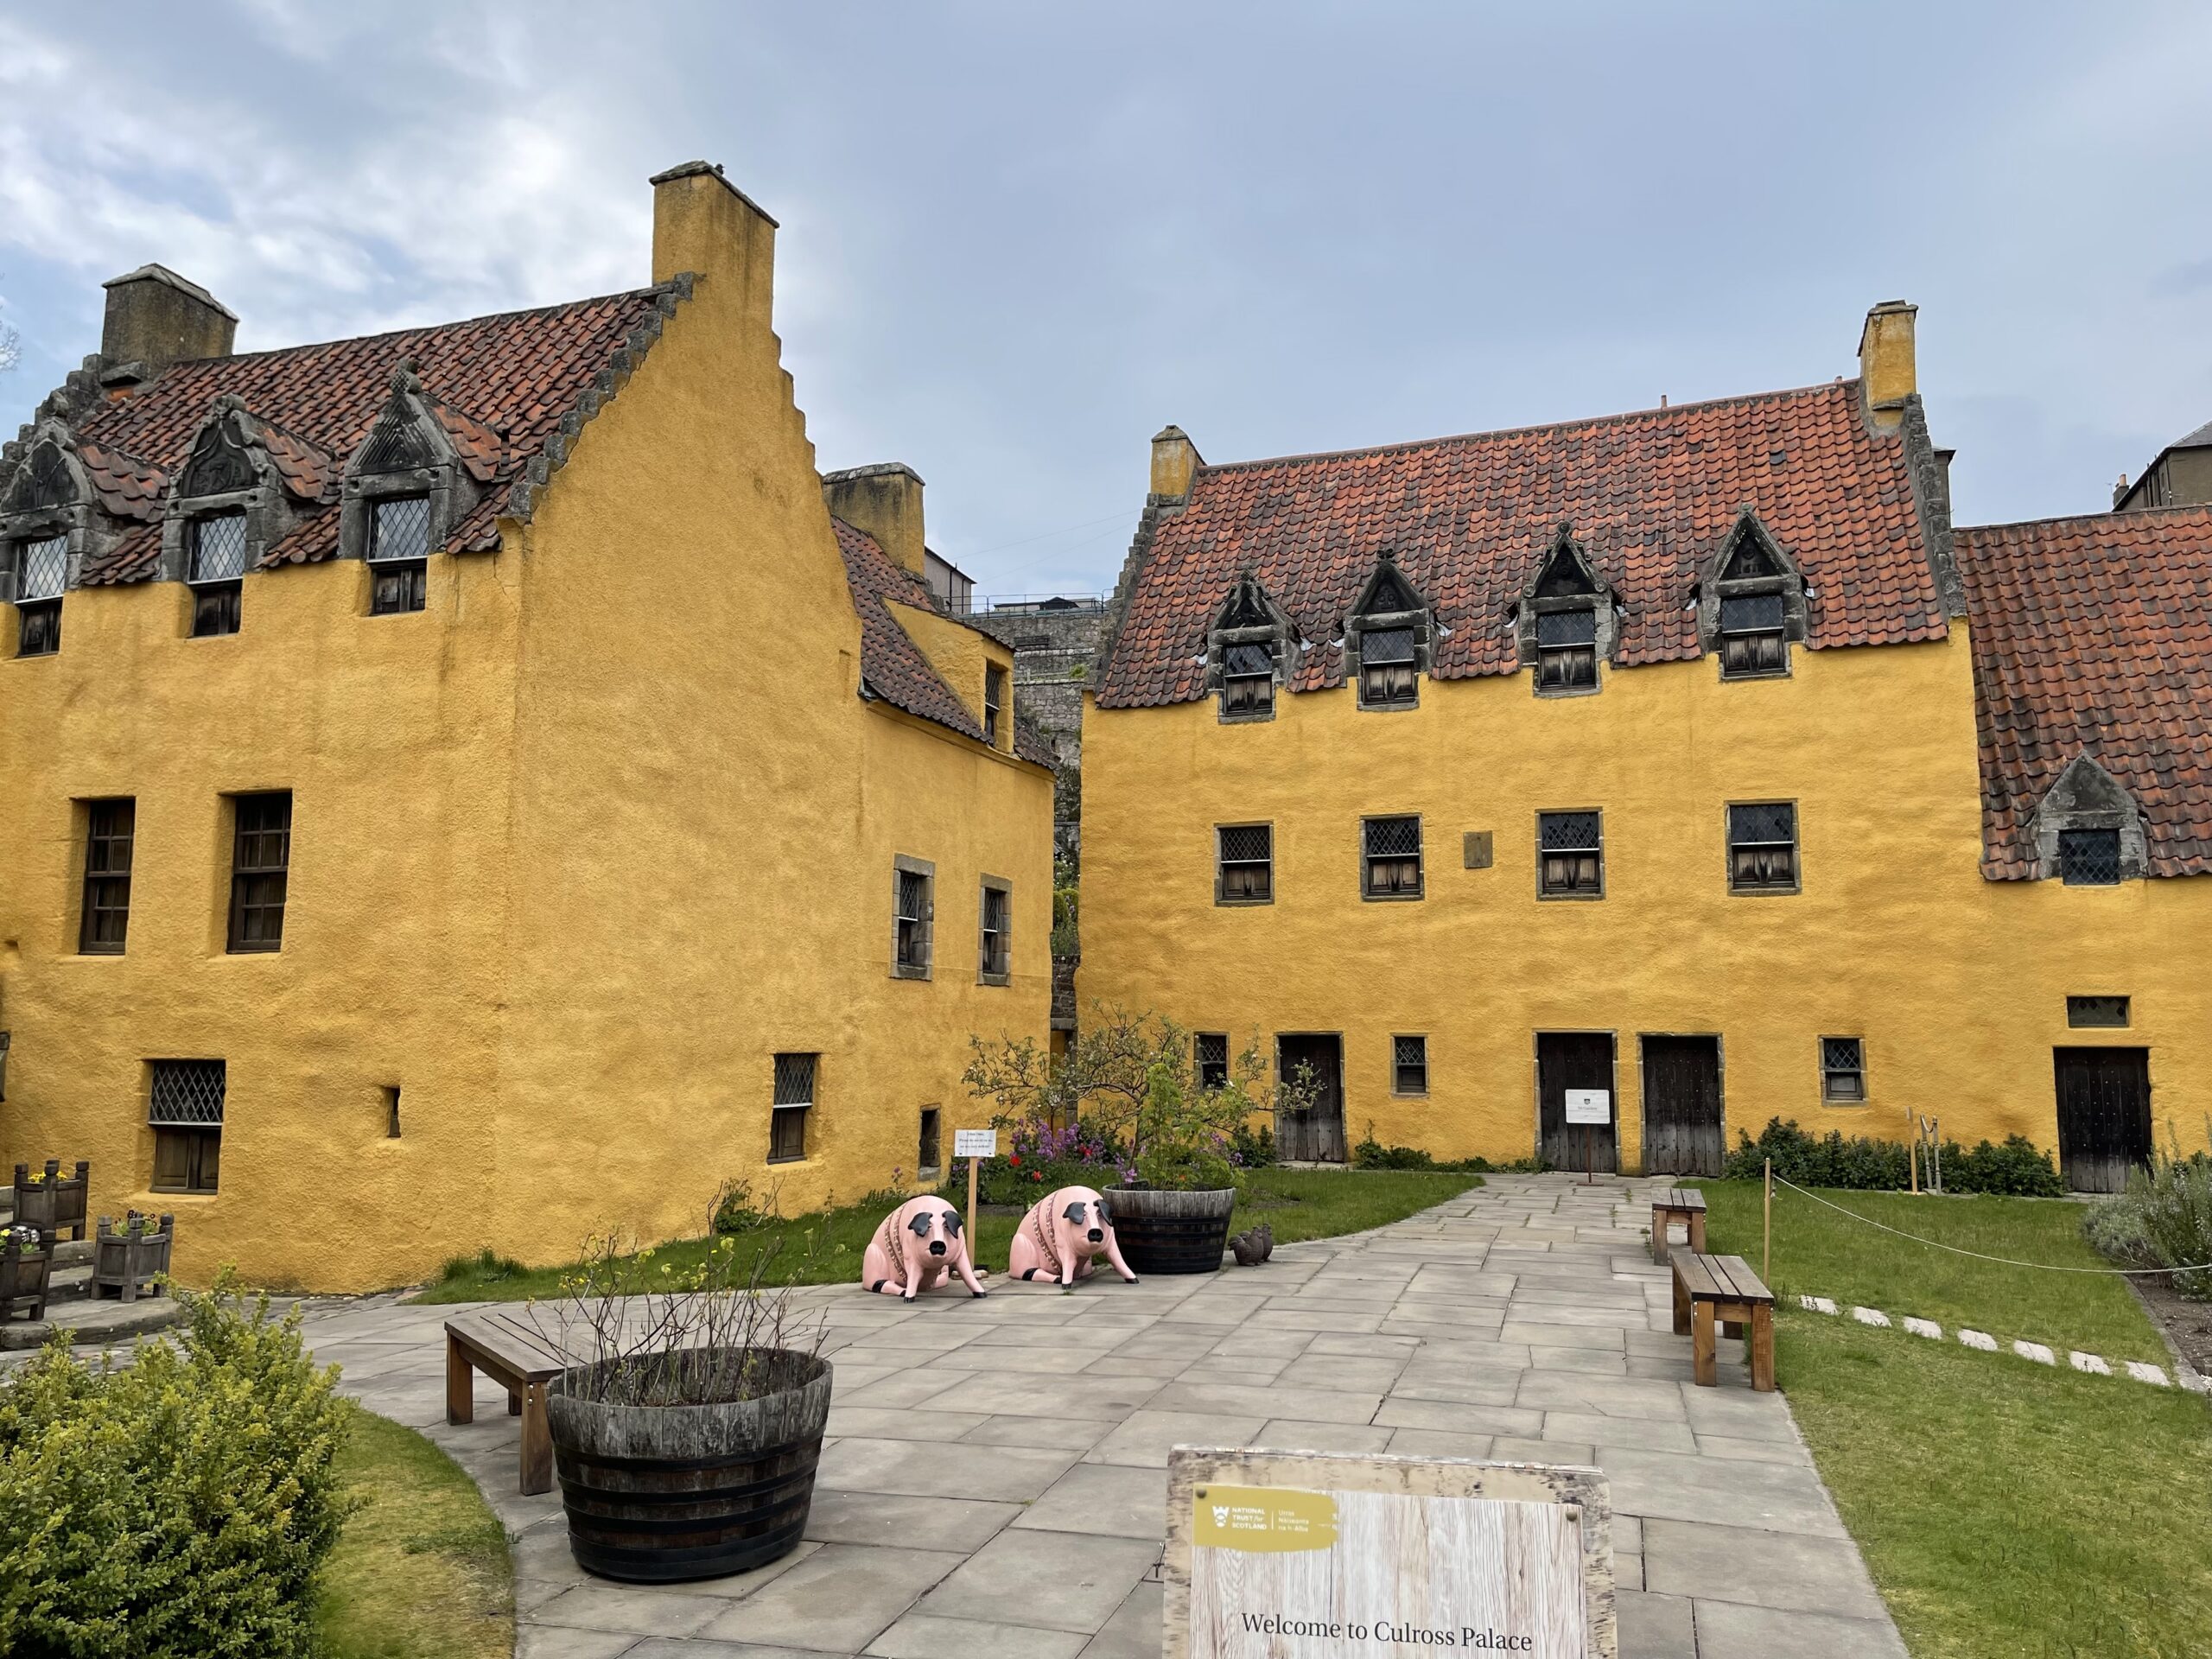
185, 1111
391, 1112
2097, 1011
2088, 858
1244, 864
399, 549
1247, 682
1389, 668
997, 955
1567, 649
1570, 854
110, 827
1762, 847
794, 1099
42, 573
928, 1156
1409, 1065
216, 573
994, 700
912, 946
1211, 1053
1754, 636
1391, 848
1843, 1070
261, 863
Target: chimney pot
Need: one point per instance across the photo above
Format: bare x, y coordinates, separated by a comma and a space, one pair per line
885, 500
155, 318
1887, 373
1174, 459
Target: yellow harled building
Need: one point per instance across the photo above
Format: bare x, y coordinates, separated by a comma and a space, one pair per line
477, 784
1684, 766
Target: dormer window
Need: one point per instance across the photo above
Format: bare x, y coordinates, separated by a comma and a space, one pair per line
1565, 622
1753, 636
1567, 649
2088, 830
1248, 683
1387, 668
1386, 640
399, 548
35, 521
993, 701
1751, 603
1248, 653
42, 573
215, 573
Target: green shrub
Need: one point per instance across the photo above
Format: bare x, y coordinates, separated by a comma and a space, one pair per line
487, 1264
1371, 1153
1251, 1148
2163, 1220
178, 1505
2018, 1167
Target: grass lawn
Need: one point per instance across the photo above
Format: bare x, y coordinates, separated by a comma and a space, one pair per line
2005, 1509
420, 1571
825, 1247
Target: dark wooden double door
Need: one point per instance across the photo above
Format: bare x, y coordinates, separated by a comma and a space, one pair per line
1317, 1135
1682, 1116
1575, 1059
2104, 1115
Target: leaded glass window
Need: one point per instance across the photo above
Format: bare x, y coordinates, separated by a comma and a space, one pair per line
1247, 681
1392, 848
1388, 672
1754, 638
1570, 855
1567, 649
1843, 1070
1762, 847
793, 1099
2097, 1011
1245, 864
42, 570
997, 954
1409, 1065
400, 527
911, 938
2088, 858
1211, 1049
218, 548
184, 1110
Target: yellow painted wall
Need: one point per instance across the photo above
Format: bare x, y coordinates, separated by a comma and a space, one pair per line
960, 654
1957, 985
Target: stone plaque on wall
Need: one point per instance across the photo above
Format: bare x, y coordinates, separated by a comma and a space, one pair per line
1313, 1555
1477, 849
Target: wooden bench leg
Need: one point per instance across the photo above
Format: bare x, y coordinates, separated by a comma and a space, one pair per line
1763, 1350
1697, 1231
460, 1395
1702, 1349
1681, 1308
536, 1442
1660, 1219
514, 1403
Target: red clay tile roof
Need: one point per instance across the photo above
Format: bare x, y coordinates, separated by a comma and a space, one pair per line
506, 381
893, 666
1650, 495
128, 488
2094, 633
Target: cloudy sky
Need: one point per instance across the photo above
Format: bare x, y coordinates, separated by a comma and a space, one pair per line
1018, 239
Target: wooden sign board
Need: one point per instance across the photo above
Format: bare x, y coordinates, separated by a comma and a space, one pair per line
1321, 1556
1592, 1106
975, 1143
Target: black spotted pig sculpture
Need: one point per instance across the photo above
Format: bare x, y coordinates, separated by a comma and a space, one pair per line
1061, 1233
918, 1243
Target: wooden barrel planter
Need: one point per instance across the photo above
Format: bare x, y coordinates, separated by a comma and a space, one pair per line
127, 1261
24, 1268
1160, 1231
659, 1494
54, 1200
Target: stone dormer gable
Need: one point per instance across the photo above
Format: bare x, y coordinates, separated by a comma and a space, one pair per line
1751, 603
423, 464
1567, 619
90, 497
2088, 829
1390, 638
1249, 651
245, 485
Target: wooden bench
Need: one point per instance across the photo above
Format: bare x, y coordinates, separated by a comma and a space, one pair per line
1682, 1203
516, 1355
1723, 1288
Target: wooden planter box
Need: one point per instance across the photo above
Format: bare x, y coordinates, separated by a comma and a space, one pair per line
55, 1200
22, 1277
125, 1264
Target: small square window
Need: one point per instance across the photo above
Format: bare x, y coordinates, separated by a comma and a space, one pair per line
2097, 1011
1567, 649
1244, 870
104, 923
1762, 847
1391, 864
1212, 1054
1247, 682
910, 946
1409, 1065
2088, 858
1570, 854
928, 1159
1754, 636
1388, 674
1843, 1070
793, 1100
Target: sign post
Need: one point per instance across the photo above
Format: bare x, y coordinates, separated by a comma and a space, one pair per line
1590, 1108
974, 1145
1324, 1555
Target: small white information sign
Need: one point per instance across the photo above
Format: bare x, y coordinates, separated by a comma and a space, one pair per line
1592, 1106
975, 1143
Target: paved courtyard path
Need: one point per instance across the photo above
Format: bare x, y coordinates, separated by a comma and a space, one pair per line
994, 1486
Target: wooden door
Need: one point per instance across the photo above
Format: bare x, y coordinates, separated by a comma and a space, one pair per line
1316, 1135
1683, 1132
1575, 1059
2104, 1115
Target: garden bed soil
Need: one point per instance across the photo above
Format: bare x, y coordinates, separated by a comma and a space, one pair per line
2187, 1325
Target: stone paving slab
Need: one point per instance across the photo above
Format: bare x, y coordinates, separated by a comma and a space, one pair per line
993, 1484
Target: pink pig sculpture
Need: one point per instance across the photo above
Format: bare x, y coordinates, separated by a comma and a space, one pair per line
1061, 1233
918, 1244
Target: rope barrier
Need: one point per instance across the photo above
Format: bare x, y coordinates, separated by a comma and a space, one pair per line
2001, 1260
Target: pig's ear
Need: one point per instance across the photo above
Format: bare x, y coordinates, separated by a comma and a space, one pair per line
953, 1222
1104, 1219
1074, 1213
919, 1224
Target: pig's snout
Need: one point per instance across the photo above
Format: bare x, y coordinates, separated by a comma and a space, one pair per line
936, 1247
1097, 1236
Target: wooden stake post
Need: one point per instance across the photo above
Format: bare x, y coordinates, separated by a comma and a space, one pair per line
974, 1145
1766, 1246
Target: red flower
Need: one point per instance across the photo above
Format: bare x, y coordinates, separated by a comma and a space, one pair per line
1036, 1174
1015, 1157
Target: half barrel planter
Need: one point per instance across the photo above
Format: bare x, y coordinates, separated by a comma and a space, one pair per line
660, 1494
128, 1263
1163, 1232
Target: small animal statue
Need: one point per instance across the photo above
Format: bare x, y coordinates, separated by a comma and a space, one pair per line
1061, 1233
1247, 1248
1266, 1236
918, 1245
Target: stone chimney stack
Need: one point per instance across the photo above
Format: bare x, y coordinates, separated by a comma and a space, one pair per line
704, 225
886, 501
1174, 459
156, 318
1887, 375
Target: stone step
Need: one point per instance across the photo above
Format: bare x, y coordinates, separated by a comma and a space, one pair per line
94, 1322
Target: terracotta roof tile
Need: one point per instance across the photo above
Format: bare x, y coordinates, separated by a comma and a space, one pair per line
2094, 633
1650, 495
128, 487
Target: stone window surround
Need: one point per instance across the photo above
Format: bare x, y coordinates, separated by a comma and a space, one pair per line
22, 525
1397, 1037
1276, 635
1568, 897
986, 887
1220, 879
1599, 602
1421, 620
2087, 797
902, 865
1820, 1053
1796, 849
1420, 856
1711, 589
